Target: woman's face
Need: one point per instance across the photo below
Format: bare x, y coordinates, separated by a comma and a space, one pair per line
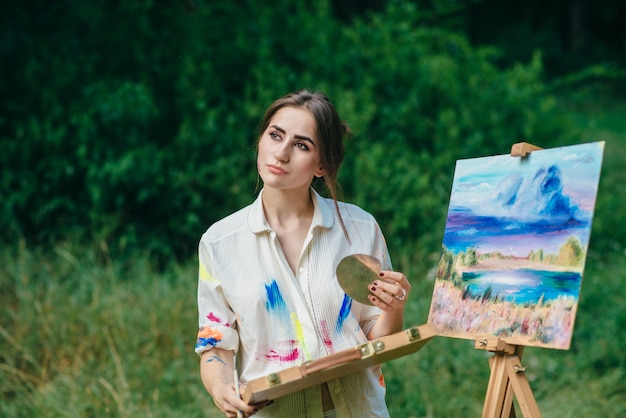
289, 155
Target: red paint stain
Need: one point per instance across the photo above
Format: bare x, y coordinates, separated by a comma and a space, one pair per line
381, 380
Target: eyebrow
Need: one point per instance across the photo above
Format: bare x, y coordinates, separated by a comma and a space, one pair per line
301, 137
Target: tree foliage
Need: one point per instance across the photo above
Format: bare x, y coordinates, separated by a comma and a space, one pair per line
572, 34
135, 122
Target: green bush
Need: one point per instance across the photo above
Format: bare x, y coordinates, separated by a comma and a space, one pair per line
144, 135
428, 99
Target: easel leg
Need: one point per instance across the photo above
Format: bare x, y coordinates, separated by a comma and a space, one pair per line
508, 410
507, 380
499, 397
521, 388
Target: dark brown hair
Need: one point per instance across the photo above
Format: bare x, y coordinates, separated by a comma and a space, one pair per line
331, 131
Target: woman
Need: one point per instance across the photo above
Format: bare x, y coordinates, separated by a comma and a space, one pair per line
268, 290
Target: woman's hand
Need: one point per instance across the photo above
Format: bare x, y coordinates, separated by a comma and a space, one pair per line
216, 371
390, 292
226, 399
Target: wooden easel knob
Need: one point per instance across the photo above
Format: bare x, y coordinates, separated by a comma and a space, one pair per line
494, 344
522, 149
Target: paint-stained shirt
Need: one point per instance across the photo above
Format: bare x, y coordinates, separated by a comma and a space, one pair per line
251, 302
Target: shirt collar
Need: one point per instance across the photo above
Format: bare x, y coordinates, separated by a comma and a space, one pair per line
322, 214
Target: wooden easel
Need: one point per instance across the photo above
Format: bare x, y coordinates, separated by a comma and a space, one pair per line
339, 364
508, 378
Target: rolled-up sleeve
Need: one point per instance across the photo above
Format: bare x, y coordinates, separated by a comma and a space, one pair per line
368, 317
216, 320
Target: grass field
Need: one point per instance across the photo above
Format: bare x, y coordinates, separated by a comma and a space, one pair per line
84, 335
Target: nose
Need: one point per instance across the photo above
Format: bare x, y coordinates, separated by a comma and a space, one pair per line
282, 153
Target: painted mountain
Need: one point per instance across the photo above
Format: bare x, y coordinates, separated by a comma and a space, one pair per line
515, 245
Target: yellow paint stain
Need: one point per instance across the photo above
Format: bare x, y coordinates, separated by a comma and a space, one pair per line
300, 335
205, 275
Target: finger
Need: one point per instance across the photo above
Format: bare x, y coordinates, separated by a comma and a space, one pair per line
400, 284
389, 277
237, 405
257, 407
401, 295
244, 408
397, 291
393, 289
395, 277
380, 303
379, 293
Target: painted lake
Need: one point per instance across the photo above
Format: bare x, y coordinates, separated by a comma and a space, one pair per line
523, 285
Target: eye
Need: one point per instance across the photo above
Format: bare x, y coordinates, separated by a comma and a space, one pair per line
302, 146
275, 136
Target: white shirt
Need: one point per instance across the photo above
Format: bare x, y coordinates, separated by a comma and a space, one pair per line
250, 302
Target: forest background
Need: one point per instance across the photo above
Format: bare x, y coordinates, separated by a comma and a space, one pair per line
127, 128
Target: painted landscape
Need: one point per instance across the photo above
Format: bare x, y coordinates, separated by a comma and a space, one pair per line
515, 245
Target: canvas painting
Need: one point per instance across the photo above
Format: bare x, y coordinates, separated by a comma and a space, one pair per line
515, 245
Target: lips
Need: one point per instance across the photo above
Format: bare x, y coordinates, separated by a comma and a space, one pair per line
274, 169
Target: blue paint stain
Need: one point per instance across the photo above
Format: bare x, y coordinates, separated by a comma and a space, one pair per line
346, 305
203, 342
275, 301
216, 358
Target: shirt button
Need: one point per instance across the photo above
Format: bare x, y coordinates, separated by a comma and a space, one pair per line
337, 391
301, 269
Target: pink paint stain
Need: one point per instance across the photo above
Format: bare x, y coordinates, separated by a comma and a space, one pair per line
275, 356
328, 342
211, 317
